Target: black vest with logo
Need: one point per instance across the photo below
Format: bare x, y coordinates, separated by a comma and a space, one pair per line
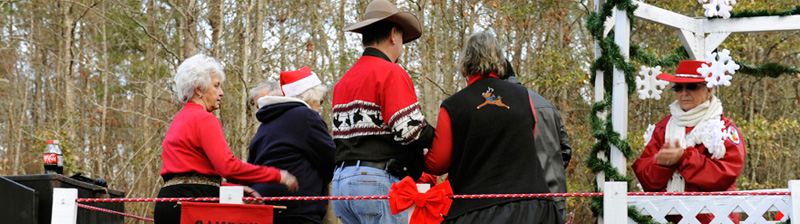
493, 151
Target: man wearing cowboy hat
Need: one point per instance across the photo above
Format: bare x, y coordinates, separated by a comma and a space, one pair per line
378, 126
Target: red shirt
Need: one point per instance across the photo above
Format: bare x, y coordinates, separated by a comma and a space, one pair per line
438, 159
195, 143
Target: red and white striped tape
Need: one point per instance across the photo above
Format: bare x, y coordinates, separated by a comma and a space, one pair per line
469, 196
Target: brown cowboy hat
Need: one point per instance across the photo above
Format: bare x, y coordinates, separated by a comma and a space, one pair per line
383, 10
686, 73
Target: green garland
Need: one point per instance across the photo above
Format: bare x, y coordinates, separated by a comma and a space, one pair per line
773, 70
748, 13
603, 131
638, 217
639, 55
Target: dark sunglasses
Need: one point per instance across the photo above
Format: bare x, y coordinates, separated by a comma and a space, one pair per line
690, 87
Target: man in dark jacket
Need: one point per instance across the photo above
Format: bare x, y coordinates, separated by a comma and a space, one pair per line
551, 140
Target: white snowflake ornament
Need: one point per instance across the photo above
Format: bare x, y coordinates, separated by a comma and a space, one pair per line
714, 138
649, 133
721, 63
648, 85
718, 7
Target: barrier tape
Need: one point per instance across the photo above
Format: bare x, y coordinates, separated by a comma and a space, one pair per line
470, 196
143, 199
723, 193
115, 212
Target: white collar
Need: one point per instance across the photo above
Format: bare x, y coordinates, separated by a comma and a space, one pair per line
269, 100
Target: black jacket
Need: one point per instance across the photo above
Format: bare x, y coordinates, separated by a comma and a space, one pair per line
552, 142
293, 137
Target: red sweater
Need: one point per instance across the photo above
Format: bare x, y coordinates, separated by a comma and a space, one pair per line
195, 143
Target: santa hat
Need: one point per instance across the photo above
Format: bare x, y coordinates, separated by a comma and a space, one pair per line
686, 73
294, 83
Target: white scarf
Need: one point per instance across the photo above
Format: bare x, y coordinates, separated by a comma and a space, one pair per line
698, 117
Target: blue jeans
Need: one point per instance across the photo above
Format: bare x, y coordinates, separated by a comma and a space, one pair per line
364, 181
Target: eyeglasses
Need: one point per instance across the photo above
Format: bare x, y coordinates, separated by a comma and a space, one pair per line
690, 87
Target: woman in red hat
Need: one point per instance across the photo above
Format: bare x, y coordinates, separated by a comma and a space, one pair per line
293, 136
696, 148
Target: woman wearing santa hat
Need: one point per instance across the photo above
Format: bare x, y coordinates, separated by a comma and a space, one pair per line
696, 148
293, 136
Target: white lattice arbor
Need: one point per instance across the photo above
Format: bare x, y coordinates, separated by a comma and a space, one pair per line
699, 35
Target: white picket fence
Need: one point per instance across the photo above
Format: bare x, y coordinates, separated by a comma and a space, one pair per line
615, 204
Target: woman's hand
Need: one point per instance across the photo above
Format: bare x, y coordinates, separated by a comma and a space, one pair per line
250, 192
670, 154
289, 180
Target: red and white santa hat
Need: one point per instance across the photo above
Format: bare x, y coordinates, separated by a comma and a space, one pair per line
294, 83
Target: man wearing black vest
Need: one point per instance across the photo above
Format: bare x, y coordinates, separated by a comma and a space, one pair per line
485, 141
378, 126
551, 141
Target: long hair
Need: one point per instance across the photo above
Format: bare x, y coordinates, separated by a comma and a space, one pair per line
482, 56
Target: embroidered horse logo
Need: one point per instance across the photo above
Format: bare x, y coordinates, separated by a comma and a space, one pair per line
492, 99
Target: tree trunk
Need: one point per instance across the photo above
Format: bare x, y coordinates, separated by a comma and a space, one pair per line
189, 27
217, 23
104, 113
66, 69
247, 41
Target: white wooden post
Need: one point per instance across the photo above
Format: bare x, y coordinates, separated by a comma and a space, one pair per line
421, 188
794, 188
600, 91
615, 202
231, 194
619, 106
65, 209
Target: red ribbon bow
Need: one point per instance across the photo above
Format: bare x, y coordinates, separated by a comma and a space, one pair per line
430, 205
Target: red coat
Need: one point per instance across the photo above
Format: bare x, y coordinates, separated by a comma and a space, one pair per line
702, 174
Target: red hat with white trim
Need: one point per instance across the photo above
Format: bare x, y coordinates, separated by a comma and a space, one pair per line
294, 83
686, 73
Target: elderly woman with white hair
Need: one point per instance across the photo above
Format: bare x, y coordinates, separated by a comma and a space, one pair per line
196, 156
293, 136
484, 140
694, 149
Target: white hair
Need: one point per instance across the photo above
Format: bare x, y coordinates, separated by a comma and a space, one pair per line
314, 93
196, 71
273, 89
